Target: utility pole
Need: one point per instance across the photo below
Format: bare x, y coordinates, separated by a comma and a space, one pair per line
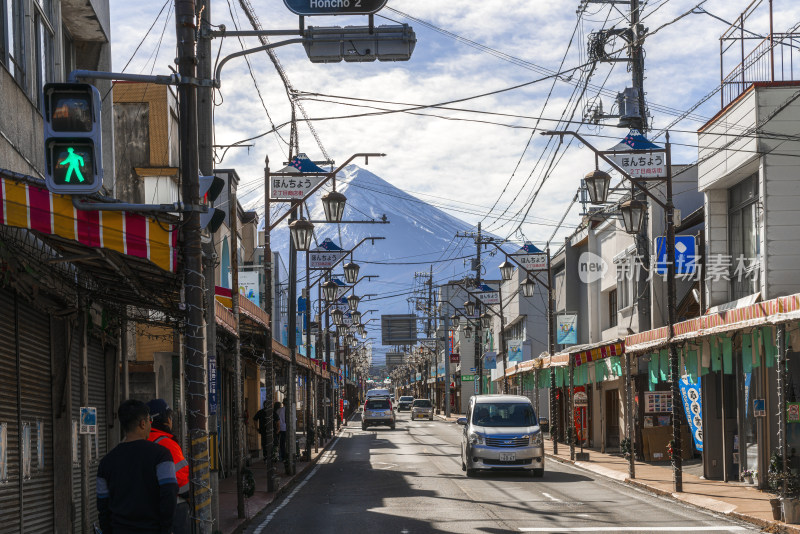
551, 349
238, 429
478, 335
637, 62
269, 371
194, 346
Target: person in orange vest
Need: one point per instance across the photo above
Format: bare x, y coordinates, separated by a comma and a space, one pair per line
161, 433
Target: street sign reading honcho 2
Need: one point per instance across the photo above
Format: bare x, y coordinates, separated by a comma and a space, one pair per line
335, 7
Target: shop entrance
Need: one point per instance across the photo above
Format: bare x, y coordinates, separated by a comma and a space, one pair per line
612, 418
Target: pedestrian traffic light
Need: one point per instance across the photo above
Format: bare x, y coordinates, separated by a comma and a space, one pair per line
72, 138
210, 189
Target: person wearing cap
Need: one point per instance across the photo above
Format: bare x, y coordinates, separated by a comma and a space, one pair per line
161, 434
136, 485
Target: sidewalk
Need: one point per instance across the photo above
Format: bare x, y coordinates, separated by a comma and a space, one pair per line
229, 523
736, 500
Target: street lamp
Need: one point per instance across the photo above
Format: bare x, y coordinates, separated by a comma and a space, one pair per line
597, 183
469, 307
337, 316
356, 317
486, 320
633, 212
351, 272
330, 290
302, 232
333, 203
527, 287
455, 319
506, 271
352, 302
468, 332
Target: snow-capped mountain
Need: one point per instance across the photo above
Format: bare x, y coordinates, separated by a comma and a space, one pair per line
417, 237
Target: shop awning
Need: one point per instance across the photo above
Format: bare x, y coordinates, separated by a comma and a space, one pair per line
581, 354
771, 312
521, 367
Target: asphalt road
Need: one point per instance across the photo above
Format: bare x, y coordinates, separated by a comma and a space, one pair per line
410, 481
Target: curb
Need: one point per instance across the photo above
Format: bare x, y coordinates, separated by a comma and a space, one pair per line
283, 490
771, 525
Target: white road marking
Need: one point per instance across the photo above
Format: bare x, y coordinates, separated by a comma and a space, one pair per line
633, 529
551, 497
324, 459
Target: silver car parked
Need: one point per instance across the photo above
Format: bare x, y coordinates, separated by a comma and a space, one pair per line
422, 409
501, 432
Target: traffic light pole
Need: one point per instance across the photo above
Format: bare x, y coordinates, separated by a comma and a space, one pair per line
195, 356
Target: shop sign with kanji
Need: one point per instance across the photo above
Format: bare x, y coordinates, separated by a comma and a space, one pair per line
531, 258
326, 255
651, 164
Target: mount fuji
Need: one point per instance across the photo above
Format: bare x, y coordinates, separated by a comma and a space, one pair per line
419, 237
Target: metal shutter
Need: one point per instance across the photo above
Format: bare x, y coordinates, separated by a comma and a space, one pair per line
9, 489
36, 411
75, 404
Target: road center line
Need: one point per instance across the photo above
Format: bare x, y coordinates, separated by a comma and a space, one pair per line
634, 529
551, 497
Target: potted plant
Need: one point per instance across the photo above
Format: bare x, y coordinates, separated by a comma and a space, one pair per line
748, 475
774, 481
787, 483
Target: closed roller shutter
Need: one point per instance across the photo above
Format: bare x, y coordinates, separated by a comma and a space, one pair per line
9, 488
75, 404
36, 411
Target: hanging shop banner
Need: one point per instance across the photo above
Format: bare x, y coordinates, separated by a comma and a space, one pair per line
531, 258
419, 377
652, 164
490, 360
488, 294
567, 330
289, 187
249, 286
212, 386
440, 369
326, 255
693, 407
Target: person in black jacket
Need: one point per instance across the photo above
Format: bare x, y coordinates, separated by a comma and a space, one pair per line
136, 485
261, 423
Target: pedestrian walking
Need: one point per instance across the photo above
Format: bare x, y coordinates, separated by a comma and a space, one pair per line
282, 431
161, 434
260, 419
136, 485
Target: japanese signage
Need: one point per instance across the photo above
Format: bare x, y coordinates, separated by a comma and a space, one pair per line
515, 351
212, 385
581, 399
455, 358
693, 407
532, 262
88, 420
657, 401
490, 360
467, 378
291, 188
249, 286
326, 255
641, 164
758, 408
488, 295
567, 329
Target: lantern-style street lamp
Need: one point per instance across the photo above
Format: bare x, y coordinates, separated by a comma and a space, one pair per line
351, 272
597, 183
337, 316
330, 290
301, 231
469, 307
633, 212
506, 271
455, 319
333, 203
468, 332
527, 287
486, 320
356, 317
352, 302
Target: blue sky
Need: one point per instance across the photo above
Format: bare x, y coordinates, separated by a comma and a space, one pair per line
459, 163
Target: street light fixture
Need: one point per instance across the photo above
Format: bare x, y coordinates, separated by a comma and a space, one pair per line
356, 317
330, 290
351, 272
528, 287
506, 271
333, 203
486, 320
337, 316
469, 307
597, 183
302, 231
352, 302
633, 212
468, 332
455, 319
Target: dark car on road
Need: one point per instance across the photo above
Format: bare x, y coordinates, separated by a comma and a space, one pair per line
404, 403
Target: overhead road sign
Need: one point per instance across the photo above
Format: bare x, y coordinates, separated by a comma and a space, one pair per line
326, 255
639, 157
398, 329
531, 258
334, 7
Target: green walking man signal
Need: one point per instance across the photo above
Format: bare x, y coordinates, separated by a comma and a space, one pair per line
73, 138
74, 161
